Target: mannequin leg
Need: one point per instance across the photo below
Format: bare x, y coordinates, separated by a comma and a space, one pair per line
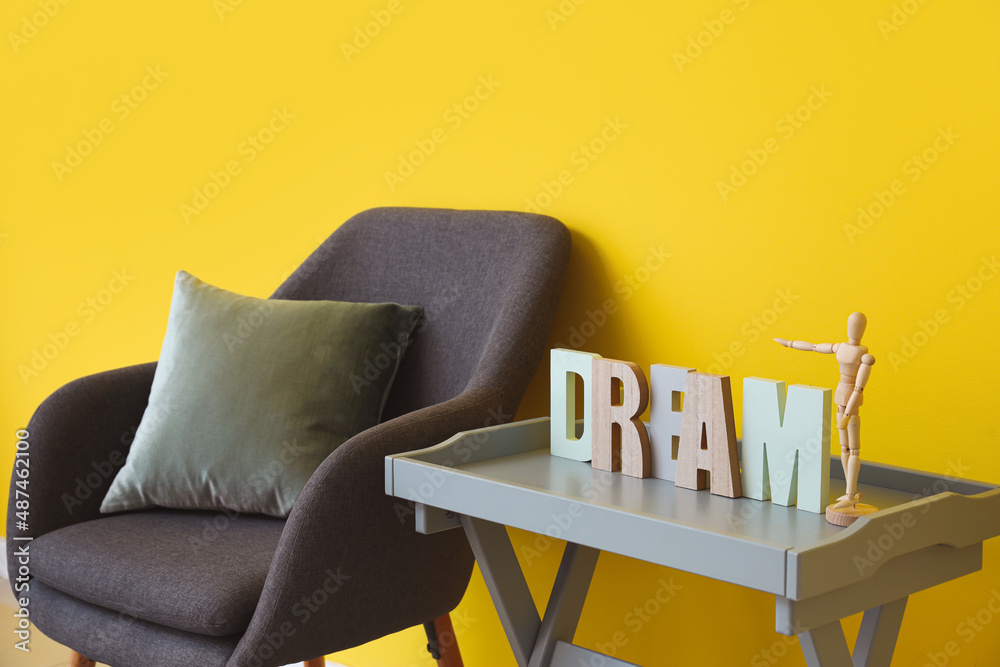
845, 447
854, 464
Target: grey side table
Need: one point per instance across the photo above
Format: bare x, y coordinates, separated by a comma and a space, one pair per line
929, 530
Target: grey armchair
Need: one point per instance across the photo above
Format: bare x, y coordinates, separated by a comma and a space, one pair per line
167, 588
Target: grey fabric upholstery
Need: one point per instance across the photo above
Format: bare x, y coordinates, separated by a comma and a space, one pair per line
488, 282
348, 566
195, 571
114, 638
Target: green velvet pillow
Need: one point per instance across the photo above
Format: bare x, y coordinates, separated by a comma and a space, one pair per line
250, 395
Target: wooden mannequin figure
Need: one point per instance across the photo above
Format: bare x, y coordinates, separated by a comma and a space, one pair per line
855, 368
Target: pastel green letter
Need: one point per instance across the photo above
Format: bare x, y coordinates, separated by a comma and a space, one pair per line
564, 439
786, 444
666, 386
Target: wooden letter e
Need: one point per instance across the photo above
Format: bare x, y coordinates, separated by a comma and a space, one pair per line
619, 440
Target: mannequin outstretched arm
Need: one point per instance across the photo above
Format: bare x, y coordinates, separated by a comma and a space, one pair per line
822, 348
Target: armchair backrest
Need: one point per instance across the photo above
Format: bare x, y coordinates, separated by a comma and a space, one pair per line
488, 280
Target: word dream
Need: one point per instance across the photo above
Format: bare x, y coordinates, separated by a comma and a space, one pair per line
786, 431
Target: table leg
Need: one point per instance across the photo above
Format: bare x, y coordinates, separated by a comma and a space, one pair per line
879, 631
562, 614
826, 646
506, 584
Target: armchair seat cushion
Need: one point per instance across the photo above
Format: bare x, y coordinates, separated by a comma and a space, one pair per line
202, 572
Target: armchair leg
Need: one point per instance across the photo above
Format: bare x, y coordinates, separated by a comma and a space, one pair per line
77, 660
316, 662
445, 642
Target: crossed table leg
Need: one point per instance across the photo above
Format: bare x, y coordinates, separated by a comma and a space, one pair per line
827, 647
548, 641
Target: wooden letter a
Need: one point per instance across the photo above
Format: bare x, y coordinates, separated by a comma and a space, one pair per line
708, 437
619, 440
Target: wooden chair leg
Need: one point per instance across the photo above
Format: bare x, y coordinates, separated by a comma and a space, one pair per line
316, 662
77, 660
447, 642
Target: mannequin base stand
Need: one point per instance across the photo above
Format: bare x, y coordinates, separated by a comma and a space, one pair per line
848, 515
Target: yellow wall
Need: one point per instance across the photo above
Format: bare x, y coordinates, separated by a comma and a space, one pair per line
780, 251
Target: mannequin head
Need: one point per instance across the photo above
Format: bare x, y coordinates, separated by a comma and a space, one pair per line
856, 324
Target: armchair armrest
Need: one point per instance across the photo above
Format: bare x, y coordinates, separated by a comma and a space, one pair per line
78, 439
349, 556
